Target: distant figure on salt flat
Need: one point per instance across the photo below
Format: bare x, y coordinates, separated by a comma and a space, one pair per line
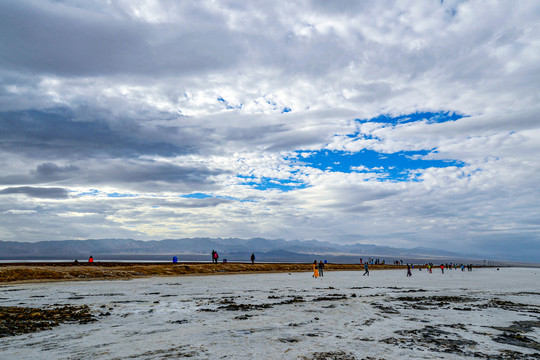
90, 259
315, 269
321, 268
409, 270
367, 269
174, 259
252, 258
442, 268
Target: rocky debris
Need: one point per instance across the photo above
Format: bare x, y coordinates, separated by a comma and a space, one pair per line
520, 326
511, 306
289, 340
515, 334
183, 351
518, 340
242, 317
512, 355
432, 338
244, 307
294, 300
231, 305
385, 309
331, 297
330, 355
15, 320
436, 300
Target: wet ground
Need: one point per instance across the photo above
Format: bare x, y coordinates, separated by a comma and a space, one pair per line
484, 314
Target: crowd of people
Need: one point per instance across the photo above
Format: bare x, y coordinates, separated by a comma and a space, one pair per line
449, 266
371, 261
318, 267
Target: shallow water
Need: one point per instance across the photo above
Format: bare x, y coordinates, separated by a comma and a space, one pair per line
343, 315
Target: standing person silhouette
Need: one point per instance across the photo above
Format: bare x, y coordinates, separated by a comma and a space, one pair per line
366, 268
321, 268
252, 258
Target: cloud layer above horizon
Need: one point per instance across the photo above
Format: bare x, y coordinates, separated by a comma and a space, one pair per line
396, 123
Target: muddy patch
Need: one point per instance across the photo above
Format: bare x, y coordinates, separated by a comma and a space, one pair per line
516, 334
184, 351
15, 320
330, 355
432, 338
331, 297
512, 306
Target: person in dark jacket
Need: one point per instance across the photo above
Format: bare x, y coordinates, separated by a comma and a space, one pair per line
252, 258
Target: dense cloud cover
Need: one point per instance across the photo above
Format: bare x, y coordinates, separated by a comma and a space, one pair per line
398, 123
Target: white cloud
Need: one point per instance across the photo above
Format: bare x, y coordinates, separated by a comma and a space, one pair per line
125, 98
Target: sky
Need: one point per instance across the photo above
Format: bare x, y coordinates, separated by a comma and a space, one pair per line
394, 123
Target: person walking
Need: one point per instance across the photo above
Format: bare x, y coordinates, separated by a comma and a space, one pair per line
321, 268
252, 258
409, 270
367, 269
315, 269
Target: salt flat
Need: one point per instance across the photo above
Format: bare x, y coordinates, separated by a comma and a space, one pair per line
486, 313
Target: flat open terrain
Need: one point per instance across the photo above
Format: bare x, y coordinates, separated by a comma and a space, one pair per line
483, 314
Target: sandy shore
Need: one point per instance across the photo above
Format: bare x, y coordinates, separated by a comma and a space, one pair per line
39, 272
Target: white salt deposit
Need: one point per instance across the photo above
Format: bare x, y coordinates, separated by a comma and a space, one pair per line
485, 313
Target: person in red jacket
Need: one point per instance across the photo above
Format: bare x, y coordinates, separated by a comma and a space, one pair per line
90, 259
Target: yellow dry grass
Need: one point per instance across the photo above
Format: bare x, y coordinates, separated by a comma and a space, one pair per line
10, 273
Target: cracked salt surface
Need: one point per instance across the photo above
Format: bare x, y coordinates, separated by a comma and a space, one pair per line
484, 314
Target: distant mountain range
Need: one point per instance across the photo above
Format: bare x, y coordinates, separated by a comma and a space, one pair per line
199, 249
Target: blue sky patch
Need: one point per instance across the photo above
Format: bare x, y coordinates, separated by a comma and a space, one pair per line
196, 196
430, 117
206, 196
91, 192
394, 166
227, 104
266, 183
118, 195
